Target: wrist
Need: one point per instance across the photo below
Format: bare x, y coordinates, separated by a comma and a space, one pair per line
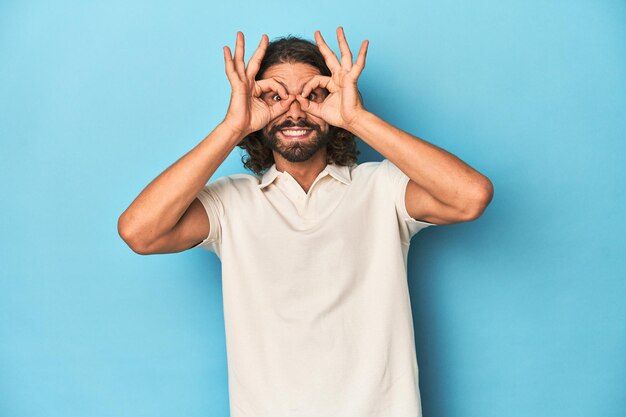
357, 121
232, 133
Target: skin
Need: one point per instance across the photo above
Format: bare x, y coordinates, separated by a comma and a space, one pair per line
289, 152
272, 103
167, 217
442, 188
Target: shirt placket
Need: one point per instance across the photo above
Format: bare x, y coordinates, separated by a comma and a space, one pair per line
299, 198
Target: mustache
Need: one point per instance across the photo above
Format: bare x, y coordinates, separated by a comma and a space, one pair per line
288, 123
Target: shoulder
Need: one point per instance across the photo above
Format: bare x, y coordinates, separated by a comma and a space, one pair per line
365, 167
370, 169
233, 183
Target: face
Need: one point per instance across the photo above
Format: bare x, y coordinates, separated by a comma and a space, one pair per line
295, 135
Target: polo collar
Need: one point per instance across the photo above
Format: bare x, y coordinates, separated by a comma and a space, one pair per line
339, 172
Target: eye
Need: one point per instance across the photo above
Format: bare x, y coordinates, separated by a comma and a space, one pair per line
276, 97
312, 96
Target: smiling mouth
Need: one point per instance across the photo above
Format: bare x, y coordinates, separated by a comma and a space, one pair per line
296, 133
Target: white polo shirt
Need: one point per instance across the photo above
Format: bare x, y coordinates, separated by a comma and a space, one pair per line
316, 303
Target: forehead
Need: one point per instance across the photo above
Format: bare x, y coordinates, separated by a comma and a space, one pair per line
292, 74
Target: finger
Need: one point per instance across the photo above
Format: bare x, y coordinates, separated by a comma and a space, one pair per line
239, 52
281, 107
231, 73
346, 54
329, 56
310, 107
358, 66
269, 85
255, 62
315, 82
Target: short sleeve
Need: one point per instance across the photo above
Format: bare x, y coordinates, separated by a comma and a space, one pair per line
398, 183
209, 196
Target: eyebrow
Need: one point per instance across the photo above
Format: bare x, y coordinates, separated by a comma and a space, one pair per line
283, 84
301, 86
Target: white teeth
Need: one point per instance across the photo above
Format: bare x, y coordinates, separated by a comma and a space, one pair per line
294, 132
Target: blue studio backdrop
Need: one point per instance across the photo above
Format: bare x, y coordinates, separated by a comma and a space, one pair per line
519, 313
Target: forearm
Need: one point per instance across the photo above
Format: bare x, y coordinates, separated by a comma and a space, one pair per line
443, 175
158, 208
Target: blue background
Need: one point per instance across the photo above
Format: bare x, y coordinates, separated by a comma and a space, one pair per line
519, 313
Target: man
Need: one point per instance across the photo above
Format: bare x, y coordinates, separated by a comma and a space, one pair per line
313, 247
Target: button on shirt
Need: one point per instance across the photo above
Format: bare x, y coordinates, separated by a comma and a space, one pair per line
316, 303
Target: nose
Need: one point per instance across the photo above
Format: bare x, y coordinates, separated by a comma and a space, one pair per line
295, 112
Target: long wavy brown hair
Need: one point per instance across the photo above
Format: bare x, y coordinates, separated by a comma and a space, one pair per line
341, 148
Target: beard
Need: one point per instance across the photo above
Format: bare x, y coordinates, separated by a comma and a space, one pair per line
296, 150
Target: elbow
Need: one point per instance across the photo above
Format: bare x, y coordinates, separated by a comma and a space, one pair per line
131, 237
481, 198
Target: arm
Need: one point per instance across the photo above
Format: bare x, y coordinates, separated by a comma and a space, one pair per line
166, 216
442, 188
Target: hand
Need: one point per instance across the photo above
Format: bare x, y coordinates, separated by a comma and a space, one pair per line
247, 112
342, 106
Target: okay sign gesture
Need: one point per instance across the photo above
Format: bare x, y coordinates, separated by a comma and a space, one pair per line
342, 105
247, 112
